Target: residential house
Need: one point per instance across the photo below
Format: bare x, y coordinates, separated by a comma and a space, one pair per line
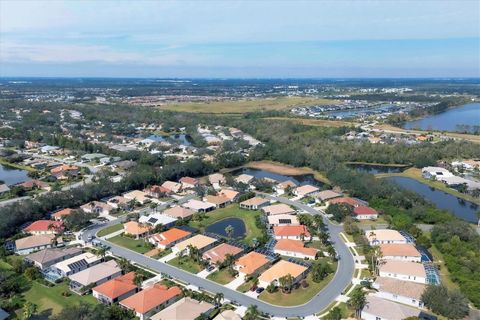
384, 236
244, 178
157, 192
198, 241
251, 264
47, 257
306, 191
44, 227
405, 292
294, 248
230, 194
199, 206
65, 171
151, 300
403, 270
75, 264
218, 201
346, 200
136, 229
401, 252
283, 220
185, 308
292, 232
178, 212
61, 214
169, 238
278, 209
38, 184
118, 202
139, 196
436, 173
327, 195
281, 269
380, 309
116, 289
97, 207
27, 245
174, 187
218, 254
283, 186
95, 275
254, 203
189, 183
216, 180
157, 219
227, 315
365, 213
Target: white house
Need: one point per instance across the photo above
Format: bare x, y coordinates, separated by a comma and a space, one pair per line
384, 236
405, 292
436, 173
380, 309
400, 252
403, 270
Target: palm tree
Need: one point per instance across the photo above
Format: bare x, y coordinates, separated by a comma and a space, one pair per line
138, 280
102, 252
357, 301
252, 312
29, 310
218, 298
229, 231
124, 264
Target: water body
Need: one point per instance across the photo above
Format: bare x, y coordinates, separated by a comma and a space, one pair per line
13, 175
462, 209
450, 120
261, 174
374, 169
178, 138
218, 227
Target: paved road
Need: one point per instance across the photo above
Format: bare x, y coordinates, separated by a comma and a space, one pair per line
341, 279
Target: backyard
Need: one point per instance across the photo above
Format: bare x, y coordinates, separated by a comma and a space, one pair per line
232, 211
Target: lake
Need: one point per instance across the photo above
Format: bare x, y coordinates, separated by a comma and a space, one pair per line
12, 175
261, 174
462, 209
450, 120
178, 138
218, 227
374, 169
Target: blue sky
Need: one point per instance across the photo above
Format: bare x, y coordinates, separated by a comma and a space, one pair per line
240, 39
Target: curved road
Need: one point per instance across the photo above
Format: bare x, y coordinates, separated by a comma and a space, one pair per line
319, 302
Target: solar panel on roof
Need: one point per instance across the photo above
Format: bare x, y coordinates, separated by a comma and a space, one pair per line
78, 264
152, 220
285, 221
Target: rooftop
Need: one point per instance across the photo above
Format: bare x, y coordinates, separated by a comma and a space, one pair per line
327, 195
52, 254
185, 308
292, 231
403, 267
406, 250
306, 189
295, 246
178, 212
219, 253
362, 210
133, 227
278, 209
199, 241
384, 235
251, 262
401, 288
385, 309
96, 273
280, 269
43, 225
255, 201
169, 236
118, 286
151, 297
34, 241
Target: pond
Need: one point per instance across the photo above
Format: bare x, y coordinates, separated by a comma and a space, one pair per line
12, 176
462, 209
178, 138
374, 169
463, 118
261, 174
218, 227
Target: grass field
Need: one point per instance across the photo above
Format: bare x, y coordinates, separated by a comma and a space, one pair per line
280, 168
317, 122
244, 287
221, 276
50, 300
186, 263
297, 296
110, 229
136, 245
232, 211
415, 173
245, 105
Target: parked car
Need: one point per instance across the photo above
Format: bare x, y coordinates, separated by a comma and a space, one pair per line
259, 290
253, 288
210, 268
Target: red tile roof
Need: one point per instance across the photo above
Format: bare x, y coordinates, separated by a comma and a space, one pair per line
149, 298
346, 200
362, 210
44, 225
169, 236
62, 213
287, 231
118, 286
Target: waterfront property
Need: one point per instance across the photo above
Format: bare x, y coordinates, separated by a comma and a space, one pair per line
198, 241
218, 254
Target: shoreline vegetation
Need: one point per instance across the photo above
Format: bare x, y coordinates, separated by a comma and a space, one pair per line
6, 163
280, 168
416, 174
375, 164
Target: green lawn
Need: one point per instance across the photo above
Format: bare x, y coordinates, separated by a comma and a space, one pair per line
186, 263
110, 229
221, 276
244, 287
50, 300
232, 211
297, 296
139, 246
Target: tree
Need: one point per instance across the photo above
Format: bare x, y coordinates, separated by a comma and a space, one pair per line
229, 230
252, 313
339, 211
218, 298
32, 273
286, 282
357, 301
102, 252
139, 278
320, 271
29, 310
451, 304
334, 314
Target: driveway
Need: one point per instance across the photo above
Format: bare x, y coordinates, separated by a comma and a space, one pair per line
332, 290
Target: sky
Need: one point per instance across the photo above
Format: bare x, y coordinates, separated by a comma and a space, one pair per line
240, 39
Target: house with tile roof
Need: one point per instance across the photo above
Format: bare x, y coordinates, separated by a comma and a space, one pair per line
292, 232
136, 229
156, 191
306, 191
178, 212
45, 258
294, 248
280, 269
169, 238
81, 282
219, 201
405, 292
244, 178
61, 214
185, 308
327, 195
151, 300
401, 252
232, 195
174, 187
283, 220
44, 227
189, 182
384, 236
377, 308
199, 206
198, 241
217, 254
254, 203
250, 264
137, 195
403, 270
227, 315
346, 200
97, 207
281, 187
116, 289
75, 264
280, 208
365, 213
217, 180
27, 245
